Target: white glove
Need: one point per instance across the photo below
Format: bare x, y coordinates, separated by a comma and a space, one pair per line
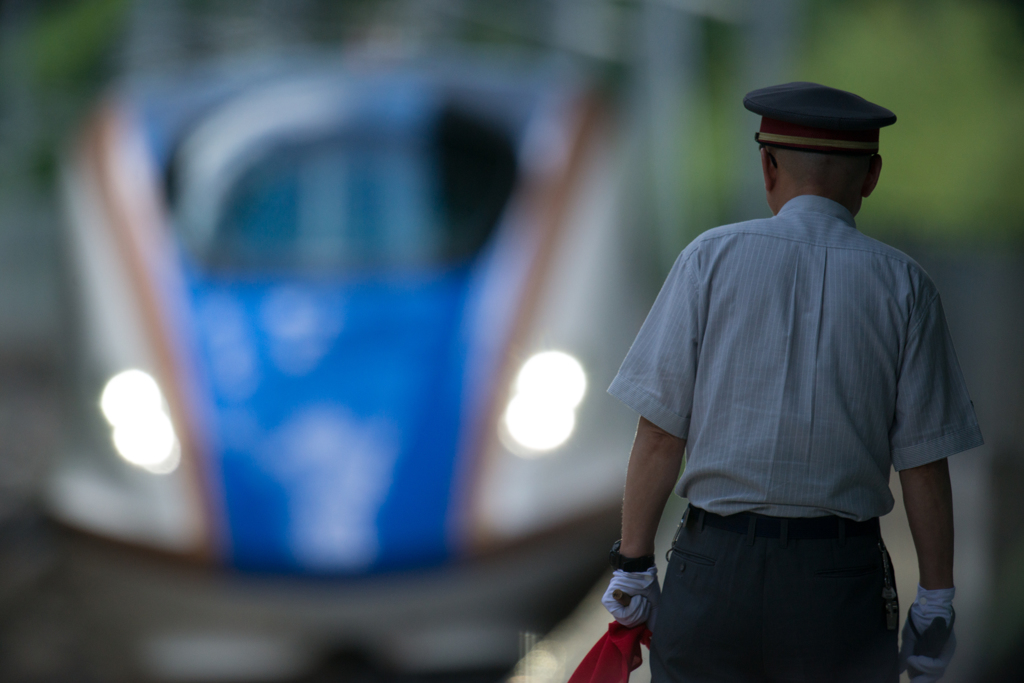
645, 592
928, 645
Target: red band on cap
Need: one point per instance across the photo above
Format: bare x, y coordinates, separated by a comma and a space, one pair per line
794, 135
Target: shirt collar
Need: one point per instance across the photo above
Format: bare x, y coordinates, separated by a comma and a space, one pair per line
815, 204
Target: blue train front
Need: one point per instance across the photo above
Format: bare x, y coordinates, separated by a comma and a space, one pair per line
344, 337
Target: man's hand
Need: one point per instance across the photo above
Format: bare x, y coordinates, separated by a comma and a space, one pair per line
653, 469
928, 644
928, 639
643, 603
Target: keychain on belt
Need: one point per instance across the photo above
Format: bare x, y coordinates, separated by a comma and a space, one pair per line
892, 605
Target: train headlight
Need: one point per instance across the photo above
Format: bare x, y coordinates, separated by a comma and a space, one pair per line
142, 431
542, 413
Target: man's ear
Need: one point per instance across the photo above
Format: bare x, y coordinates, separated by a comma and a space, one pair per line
871, 179
771, 173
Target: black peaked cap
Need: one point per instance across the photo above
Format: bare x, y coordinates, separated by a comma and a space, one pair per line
817, 106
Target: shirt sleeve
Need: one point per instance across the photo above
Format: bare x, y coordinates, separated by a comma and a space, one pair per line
657, 377
934, 414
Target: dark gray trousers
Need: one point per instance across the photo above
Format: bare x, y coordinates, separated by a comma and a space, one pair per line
750, 610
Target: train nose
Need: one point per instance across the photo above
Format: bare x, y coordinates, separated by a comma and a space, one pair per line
335, 413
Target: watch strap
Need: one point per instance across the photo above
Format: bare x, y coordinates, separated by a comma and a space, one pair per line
629, 564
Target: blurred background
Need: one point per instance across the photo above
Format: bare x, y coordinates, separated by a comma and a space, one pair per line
143, 142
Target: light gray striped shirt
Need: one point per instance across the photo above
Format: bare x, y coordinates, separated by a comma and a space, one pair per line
801, 360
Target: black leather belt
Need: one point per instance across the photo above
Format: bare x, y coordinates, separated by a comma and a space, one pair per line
763, 526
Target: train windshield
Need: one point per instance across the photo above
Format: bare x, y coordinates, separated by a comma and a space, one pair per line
366, 201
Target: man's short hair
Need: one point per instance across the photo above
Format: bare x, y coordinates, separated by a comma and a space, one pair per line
821, 169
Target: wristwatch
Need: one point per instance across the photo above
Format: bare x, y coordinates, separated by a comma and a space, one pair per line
629, 564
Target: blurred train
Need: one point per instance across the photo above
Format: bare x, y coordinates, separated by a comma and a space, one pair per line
343, 335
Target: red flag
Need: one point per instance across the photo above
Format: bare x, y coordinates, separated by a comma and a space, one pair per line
614, 656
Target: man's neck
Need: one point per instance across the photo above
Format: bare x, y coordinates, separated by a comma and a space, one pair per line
781, 195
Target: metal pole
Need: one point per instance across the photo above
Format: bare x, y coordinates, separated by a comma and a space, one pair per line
768, 38
670, 54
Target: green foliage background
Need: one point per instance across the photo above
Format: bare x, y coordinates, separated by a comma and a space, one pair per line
953, 72
69, 44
